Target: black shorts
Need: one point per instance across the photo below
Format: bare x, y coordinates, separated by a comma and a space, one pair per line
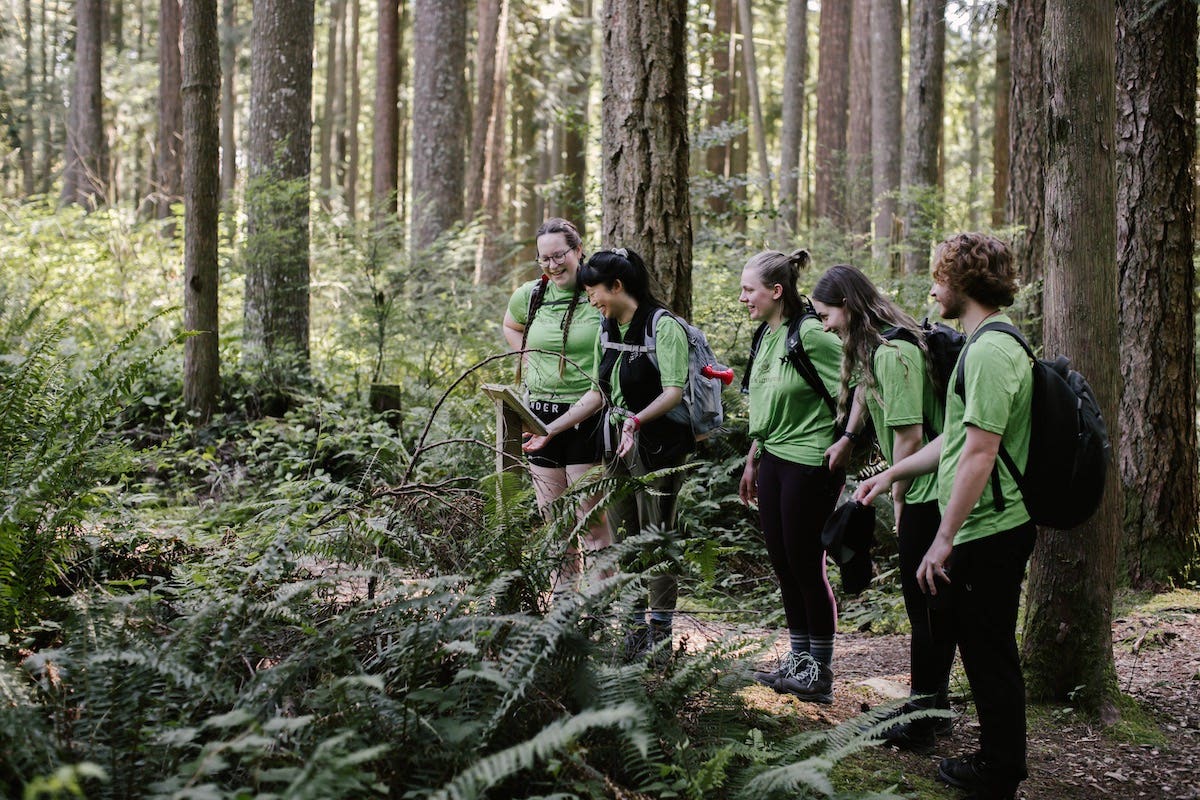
578, 445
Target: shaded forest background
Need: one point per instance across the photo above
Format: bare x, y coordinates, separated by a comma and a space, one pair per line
253, 259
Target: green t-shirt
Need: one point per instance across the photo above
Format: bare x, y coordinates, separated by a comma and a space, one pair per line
787, 418
903, 395
670, 348
545, 333
999, 393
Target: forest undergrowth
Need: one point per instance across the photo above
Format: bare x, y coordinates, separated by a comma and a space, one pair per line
330, 602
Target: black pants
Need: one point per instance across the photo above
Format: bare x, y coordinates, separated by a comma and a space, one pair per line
634, 514
986, 576
931, 648
794, 501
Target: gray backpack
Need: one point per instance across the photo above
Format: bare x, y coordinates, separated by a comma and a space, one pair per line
701, 407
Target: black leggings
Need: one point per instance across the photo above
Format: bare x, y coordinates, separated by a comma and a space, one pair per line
794, 500
931, 649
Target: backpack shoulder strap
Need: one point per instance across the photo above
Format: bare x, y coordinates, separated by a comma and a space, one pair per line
755, 342
960, 376
803, 362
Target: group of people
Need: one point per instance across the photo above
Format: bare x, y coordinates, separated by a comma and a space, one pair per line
604, 396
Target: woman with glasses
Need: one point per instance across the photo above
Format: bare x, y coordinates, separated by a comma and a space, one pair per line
551, 323
640, 389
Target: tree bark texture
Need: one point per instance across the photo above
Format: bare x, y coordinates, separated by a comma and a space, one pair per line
720, 109
85, 169
1001, 104
858, 136
439, 117
489, 265
331, 107
833, 97
1156, 141
229, 50
575, 138
923, 129
795, 70
750, 65
169, 161
28, 180
201, 86
353, 106
1027, 137
645, 144
886, 96
385, 151
277, 210
1068, 613
485, 78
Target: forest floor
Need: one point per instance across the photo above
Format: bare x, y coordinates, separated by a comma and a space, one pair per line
1153, 752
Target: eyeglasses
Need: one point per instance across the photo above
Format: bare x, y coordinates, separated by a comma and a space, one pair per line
556, 258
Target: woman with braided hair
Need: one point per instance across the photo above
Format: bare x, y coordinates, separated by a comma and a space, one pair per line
551, 323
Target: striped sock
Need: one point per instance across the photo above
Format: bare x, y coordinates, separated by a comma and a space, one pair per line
822, 649
799, 640
662, 618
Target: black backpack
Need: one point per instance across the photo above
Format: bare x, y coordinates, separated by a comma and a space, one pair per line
1069, 449
943, 344
797, 356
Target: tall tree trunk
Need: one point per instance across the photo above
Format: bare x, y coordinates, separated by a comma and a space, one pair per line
331, 107
524, 157
489, 267
229, 50
169, 161
1156, 76
720, 109
974, 56
1000, 144
404, 176
575, 139
795, 69
1068, 614
385, 152
201, 86
833, 96
922, 130
277, 212
1027, 137
485, 77
439, 100
858, 137
645, 144
83, 178
760, 133
353, 108
885, 123
739, 145
28, 182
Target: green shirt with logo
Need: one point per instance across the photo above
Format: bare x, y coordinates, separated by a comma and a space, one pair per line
903, 395
541, 373
787, 418
670, 348
999, 391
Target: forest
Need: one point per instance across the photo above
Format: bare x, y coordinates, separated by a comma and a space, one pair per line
259, 534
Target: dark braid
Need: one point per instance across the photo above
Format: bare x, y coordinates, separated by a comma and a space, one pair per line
571, 236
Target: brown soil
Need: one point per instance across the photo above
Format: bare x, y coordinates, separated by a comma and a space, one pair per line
1157, 657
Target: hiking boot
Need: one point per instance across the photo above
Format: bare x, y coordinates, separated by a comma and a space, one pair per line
963, 772
809, 680
916, 736
661, 645
637, 643
787, 662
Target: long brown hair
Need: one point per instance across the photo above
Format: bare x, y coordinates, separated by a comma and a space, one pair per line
868, 315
